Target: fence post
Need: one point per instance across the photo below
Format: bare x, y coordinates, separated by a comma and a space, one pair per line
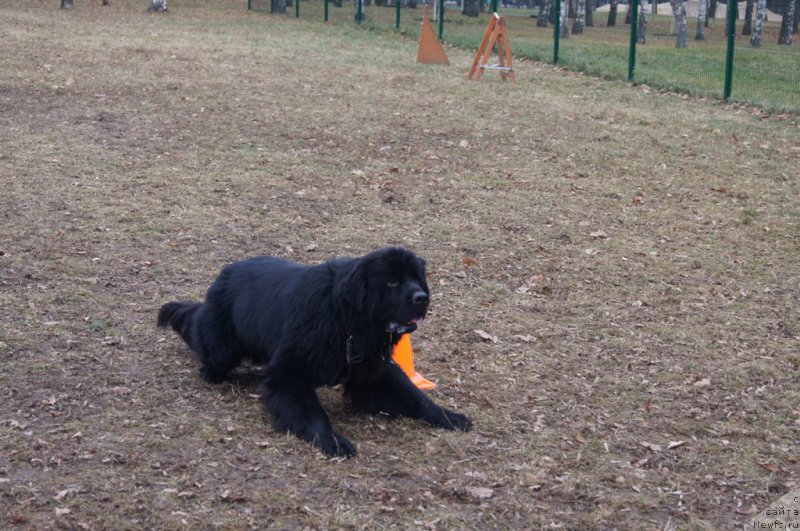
271, 7
441, 18
494, 6
732, 14
296, 8
249, 5
632, 48
556, 31
359, 11
326, 10
397, 15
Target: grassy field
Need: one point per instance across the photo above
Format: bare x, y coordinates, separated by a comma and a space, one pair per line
630, 258
767, 76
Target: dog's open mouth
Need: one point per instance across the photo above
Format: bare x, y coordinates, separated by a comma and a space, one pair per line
404, 328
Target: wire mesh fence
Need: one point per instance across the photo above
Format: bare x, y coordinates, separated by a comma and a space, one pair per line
685, 46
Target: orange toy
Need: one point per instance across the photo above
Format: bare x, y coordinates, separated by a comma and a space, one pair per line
404, 357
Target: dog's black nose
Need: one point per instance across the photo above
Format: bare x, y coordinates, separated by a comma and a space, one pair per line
420, 297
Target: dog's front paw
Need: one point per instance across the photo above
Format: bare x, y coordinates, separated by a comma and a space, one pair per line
450, 420
211, 376
335, 445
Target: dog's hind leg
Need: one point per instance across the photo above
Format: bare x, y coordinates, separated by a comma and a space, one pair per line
216, 344
393, 394
293, 406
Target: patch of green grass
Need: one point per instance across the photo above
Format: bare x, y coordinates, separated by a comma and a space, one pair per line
763, 76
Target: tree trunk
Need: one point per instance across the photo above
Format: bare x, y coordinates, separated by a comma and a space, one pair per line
590, 7
159, 6
747, 27
410, 4
580, 13
796, 17
66, 4
628, 12
761, 15
712, 10
679, 12
279, 6
787, 21
641, 34
564, 22
471, 8
106, 3
544, 13
612, 13
701, 20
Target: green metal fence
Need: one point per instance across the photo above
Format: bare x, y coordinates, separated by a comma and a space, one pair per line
700, 47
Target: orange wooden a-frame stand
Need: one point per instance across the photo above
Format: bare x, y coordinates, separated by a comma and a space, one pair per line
496, 33
404, 357
430, 49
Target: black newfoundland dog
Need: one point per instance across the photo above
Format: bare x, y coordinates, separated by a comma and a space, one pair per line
308, 326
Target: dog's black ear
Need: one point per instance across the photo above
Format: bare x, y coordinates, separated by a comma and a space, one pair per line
350, 285
421, 265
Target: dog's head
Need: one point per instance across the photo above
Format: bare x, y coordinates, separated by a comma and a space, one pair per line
388, 288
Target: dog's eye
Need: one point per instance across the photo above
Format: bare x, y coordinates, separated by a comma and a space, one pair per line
393, 283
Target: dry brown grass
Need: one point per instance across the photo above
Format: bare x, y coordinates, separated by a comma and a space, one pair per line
635, 254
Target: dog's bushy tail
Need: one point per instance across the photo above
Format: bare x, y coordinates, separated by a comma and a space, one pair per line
180, 316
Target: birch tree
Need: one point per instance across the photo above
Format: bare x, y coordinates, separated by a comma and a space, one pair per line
679, 12
641, 36
544, 13
702, 14
564, 33
358, 10
761, 15
787, 21
159, 6
579, 23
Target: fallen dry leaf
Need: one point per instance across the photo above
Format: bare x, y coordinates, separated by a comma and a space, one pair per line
480, 493
486, 336
650, 446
